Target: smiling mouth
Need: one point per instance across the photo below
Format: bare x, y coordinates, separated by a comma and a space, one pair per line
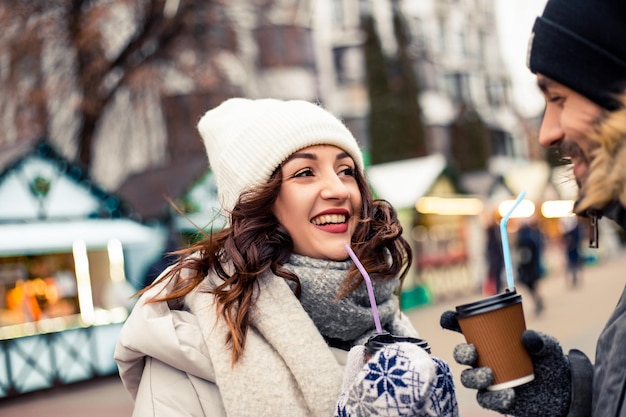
571, 153
329, 219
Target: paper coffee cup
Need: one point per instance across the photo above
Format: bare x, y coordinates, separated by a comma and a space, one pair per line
379, 341
494, 325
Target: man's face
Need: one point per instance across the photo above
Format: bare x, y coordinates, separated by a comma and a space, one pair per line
568, 121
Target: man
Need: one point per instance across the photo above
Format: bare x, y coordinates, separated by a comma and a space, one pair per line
578, 52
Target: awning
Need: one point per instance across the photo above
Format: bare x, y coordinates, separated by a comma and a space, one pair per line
403, 182
57, 236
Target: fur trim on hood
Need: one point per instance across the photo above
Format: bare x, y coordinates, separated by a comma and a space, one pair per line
606, 183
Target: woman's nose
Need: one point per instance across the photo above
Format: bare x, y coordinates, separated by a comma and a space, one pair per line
551, 132
334, 188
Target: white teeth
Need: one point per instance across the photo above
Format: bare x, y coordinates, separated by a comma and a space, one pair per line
329, 218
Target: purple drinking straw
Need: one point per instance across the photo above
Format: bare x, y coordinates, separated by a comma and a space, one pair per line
368, 284
506, 250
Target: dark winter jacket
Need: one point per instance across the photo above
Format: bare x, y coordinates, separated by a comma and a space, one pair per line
604, 193
609, 376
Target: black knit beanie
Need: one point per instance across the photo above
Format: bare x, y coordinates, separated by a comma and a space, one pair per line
582, 45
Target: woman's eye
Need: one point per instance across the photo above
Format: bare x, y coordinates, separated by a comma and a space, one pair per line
348, 172
306, 172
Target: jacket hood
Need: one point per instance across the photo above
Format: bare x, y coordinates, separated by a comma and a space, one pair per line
604, 191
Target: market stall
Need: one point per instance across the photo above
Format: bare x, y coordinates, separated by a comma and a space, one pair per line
438, 223
68, 257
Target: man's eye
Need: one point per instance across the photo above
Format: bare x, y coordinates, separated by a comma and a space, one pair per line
555, 99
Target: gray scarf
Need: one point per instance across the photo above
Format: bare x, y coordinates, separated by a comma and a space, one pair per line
349, 318
281, 333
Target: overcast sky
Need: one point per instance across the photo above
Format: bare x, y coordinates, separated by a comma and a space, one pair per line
515, 19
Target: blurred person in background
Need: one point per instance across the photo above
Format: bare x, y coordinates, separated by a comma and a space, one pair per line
268, 316
530, 245
572, 239
577, 50
495, 258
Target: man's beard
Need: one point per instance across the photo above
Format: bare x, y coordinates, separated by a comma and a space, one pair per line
570, 152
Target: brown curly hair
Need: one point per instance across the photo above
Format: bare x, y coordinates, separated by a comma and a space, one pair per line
255, 242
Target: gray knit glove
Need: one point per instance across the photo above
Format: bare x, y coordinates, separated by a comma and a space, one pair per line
399, 380
548, 395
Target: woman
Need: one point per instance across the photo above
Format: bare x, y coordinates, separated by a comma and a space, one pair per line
258, 318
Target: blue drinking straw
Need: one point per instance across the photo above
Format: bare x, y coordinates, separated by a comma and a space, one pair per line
506, 250
370, 289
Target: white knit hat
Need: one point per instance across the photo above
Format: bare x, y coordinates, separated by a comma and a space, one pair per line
246, 140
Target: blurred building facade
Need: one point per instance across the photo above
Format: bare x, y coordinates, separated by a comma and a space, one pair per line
316, 51
147, 149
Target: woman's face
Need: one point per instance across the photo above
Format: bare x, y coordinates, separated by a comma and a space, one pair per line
319, 202
568, 121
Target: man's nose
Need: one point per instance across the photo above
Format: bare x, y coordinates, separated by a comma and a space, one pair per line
550, 133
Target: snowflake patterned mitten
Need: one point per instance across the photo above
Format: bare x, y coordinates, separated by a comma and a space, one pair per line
400, 380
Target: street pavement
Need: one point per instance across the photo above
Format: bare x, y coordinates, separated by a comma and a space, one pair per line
574, 316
